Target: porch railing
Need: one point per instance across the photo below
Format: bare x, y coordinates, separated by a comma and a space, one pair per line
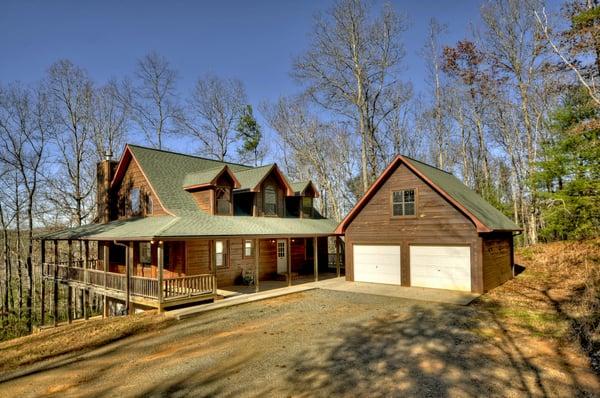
172, 288
188, 285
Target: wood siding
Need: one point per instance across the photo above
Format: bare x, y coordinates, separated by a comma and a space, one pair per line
436, 222
497, 260
204, 199
134, 178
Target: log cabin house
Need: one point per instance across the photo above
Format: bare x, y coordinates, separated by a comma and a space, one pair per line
420, 226
172, 228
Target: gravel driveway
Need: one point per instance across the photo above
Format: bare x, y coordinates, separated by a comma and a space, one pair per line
322, 343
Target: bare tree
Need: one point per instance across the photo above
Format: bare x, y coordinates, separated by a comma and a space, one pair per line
323, 150
71, 96
153, 98
25, 124
109, 118
352, 69
212, 114
518, 52
436, 116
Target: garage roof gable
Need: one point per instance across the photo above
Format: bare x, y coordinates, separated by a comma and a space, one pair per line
485, 216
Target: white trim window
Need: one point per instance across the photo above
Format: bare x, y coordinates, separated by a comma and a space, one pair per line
220, 253
248, 248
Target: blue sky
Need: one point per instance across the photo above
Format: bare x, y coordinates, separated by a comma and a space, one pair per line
254, 41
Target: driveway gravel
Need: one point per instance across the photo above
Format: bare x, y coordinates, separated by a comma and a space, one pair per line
322, 343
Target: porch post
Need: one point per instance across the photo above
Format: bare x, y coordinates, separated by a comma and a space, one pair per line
105, 255
55, 293
337, 255
316, 258
160, 254
86, 279
69, 288
43, 292
128, 266
256, 265
213, 259
289, 261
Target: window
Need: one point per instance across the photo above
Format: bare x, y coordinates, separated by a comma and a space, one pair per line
248, 248
403, 203
307, 206
149, 205
134, 198
145, 253
220, 253
270, 198
223, 198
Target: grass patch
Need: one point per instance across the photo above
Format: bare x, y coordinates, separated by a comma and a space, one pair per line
79, 337
538, 323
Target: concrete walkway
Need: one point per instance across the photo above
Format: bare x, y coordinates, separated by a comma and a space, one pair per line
239, 299
413, 293
336, 284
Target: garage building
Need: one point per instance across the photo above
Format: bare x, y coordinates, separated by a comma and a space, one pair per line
420, 226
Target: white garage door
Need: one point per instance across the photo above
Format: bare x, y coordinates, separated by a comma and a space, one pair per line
377, 264
441, 267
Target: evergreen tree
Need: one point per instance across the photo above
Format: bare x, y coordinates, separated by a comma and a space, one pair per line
249, 132
569, 176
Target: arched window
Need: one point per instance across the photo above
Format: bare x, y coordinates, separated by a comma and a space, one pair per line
270, 201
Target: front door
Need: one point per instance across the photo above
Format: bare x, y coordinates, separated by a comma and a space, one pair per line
281, 256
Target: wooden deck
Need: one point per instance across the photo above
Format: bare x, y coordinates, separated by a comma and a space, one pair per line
142, 290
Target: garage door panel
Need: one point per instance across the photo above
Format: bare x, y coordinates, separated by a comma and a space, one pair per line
377, 263
441, 267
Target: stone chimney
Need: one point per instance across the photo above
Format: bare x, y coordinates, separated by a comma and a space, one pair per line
104, 197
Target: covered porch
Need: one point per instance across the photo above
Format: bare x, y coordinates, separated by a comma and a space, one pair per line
169, 273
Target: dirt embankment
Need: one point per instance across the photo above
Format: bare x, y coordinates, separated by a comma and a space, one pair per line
557, 296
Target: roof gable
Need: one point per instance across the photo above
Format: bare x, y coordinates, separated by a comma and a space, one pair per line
485, 216
252, 179
166, 173
207, 178
301, 187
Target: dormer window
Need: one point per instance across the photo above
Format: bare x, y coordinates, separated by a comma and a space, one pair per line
134, 198
270, 201
307, 206
223, 200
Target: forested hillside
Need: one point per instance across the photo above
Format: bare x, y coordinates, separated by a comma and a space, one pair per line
511, 109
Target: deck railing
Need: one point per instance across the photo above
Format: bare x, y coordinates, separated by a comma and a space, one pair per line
172, 288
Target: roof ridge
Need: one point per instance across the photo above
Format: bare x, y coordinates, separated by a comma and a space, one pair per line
427, 164
255, 168
190, 155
